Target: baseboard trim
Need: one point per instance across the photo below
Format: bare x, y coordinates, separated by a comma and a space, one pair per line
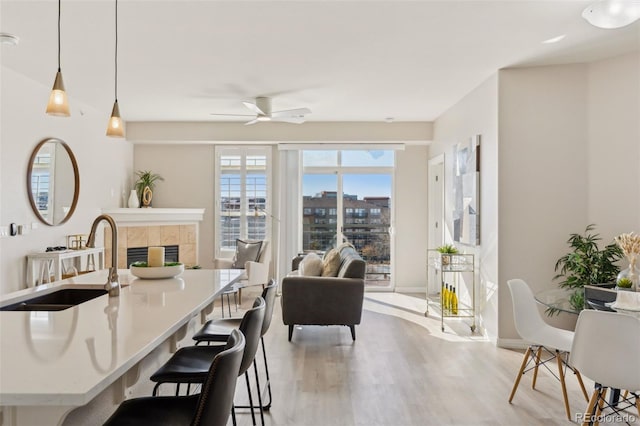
512, 344
420, 289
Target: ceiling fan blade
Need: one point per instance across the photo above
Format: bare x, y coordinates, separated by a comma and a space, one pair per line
254, 108
291, 112
249, 123
234, 115
296, 120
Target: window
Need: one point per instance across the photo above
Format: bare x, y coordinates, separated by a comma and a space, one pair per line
333, 212
242, 195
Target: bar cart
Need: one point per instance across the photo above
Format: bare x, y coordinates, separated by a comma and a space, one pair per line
452, 266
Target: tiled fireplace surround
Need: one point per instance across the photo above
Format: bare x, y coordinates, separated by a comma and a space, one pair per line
157, 227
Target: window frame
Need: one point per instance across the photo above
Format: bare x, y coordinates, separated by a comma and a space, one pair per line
244, 152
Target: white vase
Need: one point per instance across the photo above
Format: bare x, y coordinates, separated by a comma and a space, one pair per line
133, 202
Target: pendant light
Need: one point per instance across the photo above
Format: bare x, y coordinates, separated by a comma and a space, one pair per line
58, 103
115, 127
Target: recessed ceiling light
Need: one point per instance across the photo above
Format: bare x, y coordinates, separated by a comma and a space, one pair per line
6, 38
388, 120
554, 39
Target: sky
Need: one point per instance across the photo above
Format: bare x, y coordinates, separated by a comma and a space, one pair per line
362, 185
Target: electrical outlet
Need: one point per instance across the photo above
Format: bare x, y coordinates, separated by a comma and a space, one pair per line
4, 231
34, 225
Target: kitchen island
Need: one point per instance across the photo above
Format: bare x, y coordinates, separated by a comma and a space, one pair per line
99, 352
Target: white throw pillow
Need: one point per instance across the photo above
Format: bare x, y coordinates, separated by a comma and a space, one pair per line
311, 265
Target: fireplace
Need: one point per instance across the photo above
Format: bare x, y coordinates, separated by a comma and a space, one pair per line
139, 254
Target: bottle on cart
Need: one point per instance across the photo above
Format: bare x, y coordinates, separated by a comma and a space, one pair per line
454, 302
443, 296
447, 299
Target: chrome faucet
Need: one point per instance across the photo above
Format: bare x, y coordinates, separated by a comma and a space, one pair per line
113, 284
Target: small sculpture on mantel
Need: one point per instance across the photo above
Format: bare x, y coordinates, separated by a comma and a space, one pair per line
147, 195
145, 184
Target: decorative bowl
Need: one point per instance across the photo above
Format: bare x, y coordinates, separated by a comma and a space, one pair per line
157, 272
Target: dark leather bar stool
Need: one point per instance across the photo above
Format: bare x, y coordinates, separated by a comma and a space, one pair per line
218, 331
211, 407
190, 364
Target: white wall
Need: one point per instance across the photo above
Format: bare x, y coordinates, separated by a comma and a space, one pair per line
614, 144
188, 172
410, 264
543, 174
105, 166
476, 114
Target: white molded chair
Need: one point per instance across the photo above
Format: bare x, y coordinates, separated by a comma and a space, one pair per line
606, 348
541, 336
256, 273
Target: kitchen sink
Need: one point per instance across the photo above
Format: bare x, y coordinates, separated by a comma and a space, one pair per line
57, 300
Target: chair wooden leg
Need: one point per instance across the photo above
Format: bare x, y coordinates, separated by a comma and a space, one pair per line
535, 370
600, 406
590, 407
584, 390
520, 372
564, 385
353, 332
240, 296
290, 331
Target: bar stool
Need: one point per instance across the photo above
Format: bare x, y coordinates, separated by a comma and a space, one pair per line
190, 364
218, 331
211, 407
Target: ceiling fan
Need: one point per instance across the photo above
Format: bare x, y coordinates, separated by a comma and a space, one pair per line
262, 112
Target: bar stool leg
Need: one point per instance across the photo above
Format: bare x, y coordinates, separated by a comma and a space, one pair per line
266, 369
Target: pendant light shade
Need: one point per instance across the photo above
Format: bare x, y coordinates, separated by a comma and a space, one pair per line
115, 128
58, 103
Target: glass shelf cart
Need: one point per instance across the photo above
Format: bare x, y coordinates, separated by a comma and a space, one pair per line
452, 268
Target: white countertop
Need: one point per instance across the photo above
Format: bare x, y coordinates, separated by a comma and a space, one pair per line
68, 357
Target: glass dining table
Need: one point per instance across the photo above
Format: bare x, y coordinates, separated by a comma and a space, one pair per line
557, 300
601, 298
596, 297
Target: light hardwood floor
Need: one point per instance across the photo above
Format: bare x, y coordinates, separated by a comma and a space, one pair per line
401, 371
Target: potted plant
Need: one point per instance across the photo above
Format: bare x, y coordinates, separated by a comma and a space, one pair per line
146, 179
586, 264
445, 253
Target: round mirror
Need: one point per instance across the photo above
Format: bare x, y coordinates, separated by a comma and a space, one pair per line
53, 182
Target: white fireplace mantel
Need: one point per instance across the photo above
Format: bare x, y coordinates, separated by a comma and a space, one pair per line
152, 215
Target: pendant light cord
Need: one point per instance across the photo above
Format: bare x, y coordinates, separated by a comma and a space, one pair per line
59, 2
116, 61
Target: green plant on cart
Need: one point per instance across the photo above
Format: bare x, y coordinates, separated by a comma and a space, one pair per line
447, 249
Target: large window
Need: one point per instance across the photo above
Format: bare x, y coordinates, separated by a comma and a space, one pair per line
242, 195
346, 197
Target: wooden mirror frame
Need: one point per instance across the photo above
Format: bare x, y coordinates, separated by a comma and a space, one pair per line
76, 174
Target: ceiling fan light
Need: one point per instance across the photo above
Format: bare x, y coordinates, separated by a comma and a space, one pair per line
263, 118
58, 103
611, 14
115, 127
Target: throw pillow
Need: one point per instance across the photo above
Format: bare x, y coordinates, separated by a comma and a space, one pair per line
311, 265
331, 263
246, 251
